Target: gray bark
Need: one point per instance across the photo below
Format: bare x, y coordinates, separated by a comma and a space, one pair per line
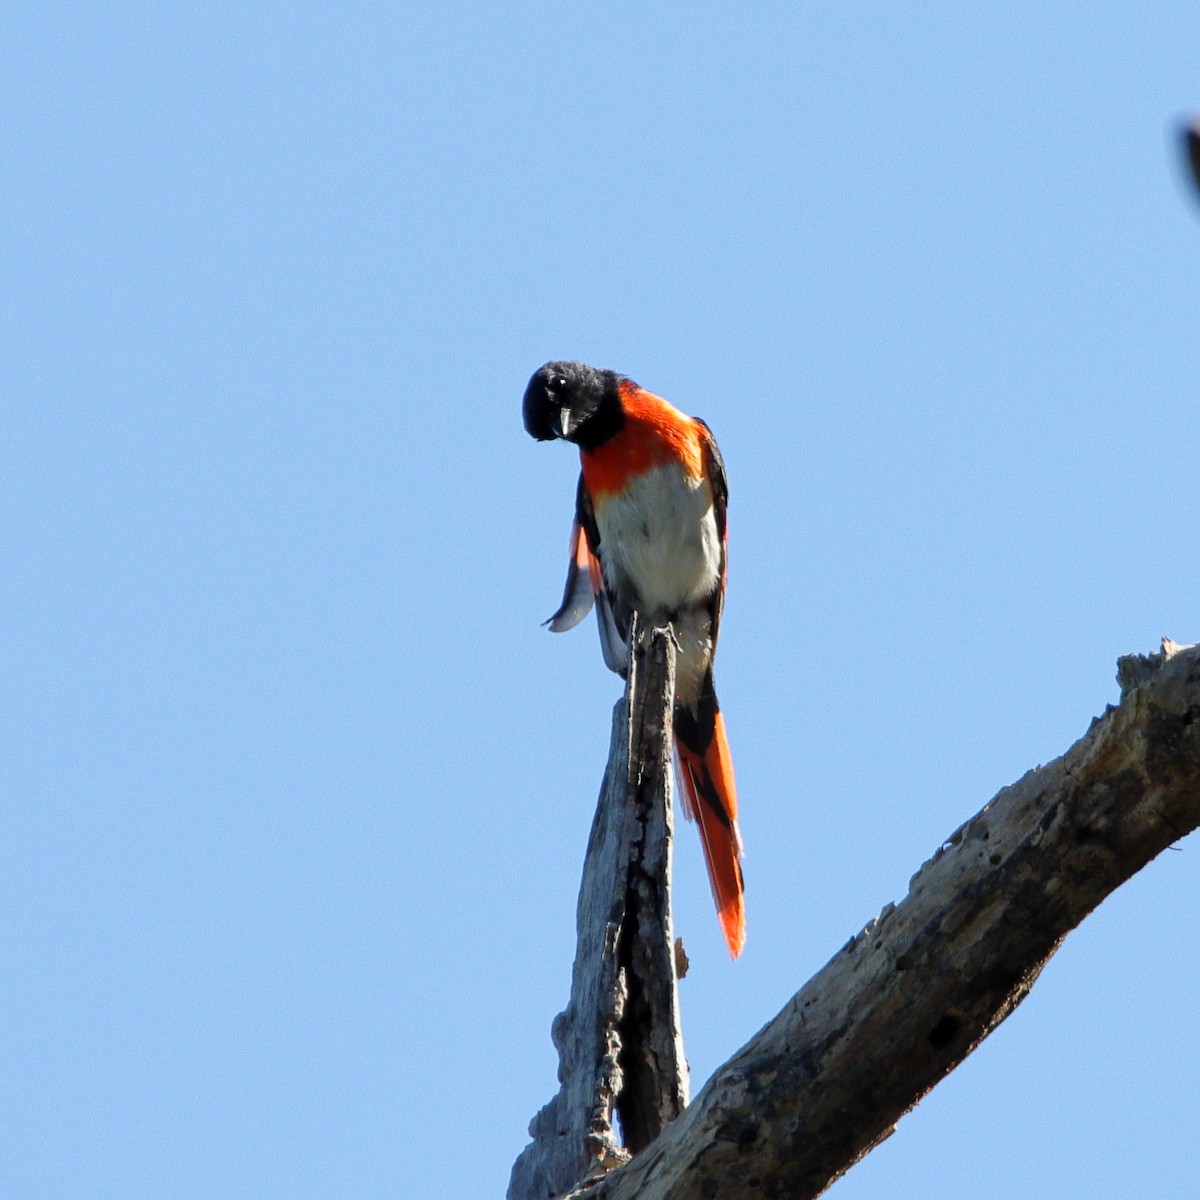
907, 999
619, 1041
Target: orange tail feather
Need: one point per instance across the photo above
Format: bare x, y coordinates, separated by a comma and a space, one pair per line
710, 798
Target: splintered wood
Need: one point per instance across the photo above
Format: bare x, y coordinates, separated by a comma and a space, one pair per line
622, 1071
912, 994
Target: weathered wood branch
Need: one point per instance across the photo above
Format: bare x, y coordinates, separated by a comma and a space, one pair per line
619, 1041
928, 979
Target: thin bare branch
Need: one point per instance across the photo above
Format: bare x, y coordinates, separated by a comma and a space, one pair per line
619, 1040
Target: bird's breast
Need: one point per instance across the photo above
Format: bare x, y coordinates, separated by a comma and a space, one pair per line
658, 534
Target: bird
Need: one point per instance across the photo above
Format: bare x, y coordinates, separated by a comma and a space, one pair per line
649, 537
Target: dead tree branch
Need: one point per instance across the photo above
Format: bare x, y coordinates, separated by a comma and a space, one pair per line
928, 979
619, 1041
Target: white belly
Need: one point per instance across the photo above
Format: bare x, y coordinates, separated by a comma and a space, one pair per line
659, 538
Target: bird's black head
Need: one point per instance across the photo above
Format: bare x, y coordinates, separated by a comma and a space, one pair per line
573, 401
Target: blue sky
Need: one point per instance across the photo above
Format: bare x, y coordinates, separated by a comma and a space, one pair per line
298, 789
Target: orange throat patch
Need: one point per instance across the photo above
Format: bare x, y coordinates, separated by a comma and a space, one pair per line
654, 433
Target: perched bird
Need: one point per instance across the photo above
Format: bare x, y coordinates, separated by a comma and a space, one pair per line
649, 537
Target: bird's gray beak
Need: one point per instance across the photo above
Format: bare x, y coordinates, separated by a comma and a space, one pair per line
562, 422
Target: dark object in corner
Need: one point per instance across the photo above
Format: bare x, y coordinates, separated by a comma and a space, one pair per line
1191, 141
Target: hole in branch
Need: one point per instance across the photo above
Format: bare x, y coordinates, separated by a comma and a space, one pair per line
943, 1032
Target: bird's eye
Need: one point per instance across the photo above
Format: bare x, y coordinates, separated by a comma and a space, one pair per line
558, 383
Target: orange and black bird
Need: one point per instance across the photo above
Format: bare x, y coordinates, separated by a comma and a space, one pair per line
649, 537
